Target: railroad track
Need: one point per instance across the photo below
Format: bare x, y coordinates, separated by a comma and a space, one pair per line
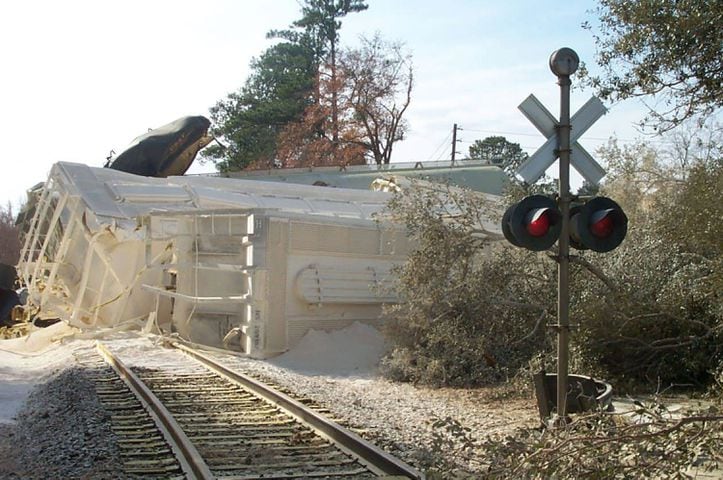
197, 419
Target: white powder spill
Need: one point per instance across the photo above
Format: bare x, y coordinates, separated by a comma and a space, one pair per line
26, 361
352, 351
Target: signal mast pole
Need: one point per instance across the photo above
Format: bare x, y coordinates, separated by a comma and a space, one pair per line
537, 221
563, 63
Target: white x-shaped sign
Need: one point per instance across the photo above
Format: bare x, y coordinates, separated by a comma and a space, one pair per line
535, 166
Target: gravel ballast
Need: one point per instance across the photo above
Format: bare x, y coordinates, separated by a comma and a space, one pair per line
399, 417
63, 431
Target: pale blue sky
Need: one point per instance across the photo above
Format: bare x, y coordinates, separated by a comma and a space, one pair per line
83, 77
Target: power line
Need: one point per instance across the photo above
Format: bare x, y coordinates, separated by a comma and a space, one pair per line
521, 134
440, 146
503, 133
447, 152
445, 155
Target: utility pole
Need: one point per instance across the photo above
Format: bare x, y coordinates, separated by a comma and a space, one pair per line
454, 142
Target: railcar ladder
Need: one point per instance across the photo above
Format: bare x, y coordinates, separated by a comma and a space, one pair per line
215, 241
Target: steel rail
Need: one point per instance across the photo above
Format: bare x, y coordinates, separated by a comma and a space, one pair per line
191, 461
372, 456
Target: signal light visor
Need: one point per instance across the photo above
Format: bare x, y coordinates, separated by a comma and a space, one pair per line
538, 222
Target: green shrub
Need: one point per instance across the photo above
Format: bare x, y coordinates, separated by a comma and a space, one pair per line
649, 313
473, 313
658, 316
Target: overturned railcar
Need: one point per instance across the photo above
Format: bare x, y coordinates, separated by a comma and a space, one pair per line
237, 264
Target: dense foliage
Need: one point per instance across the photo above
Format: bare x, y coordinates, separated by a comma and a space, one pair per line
284, 82
370, 94
498, 150
473, 313
669, 51
657, 316
250, 120
650, 318
650, 313
309, 102
321, 22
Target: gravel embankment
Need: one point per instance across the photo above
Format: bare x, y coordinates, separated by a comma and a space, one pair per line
62, 432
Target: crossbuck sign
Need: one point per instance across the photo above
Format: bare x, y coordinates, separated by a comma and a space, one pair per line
545, 156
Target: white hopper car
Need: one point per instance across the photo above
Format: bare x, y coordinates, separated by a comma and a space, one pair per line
239, 264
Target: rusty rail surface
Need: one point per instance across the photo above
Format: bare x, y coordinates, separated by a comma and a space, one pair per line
220, 423
191, 461
375, 458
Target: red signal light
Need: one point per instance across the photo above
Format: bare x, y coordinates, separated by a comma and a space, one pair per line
538, 222
602, 224
533, 223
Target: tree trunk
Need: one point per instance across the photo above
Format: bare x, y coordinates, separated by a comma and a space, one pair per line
334, 100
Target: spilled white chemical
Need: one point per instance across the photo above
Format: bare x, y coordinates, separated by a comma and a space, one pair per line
27, 361
352, 351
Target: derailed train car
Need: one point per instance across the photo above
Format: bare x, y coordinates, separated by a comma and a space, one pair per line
243, 265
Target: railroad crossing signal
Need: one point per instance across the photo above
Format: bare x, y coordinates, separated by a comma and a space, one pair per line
543, 120
535, 223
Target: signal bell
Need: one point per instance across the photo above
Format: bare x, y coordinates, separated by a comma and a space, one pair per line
533, 223
599, 225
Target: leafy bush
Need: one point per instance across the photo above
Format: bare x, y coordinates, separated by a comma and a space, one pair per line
658, 315
659, 321
649, 442
650, 313
473, 313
